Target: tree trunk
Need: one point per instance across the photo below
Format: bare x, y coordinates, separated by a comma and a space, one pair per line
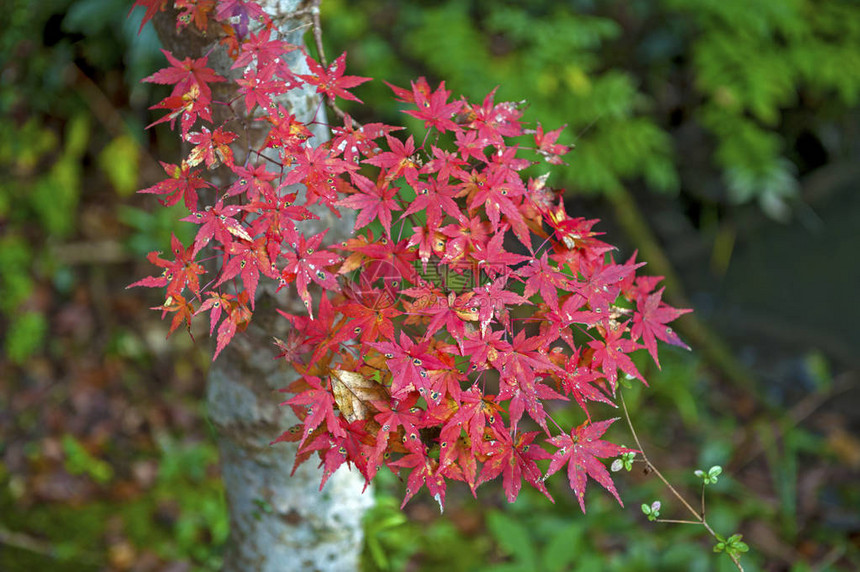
277, 522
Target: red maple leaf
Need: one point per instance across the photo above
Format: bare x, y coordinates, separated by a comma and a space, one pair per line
354, 141
492, 192
183, 182
196, 11
260, 47
337, 450
213, 147
444, 164
577, 380
476, 412
151, 6
649, 322
252, 181
331, 81
408, 96
187, 106
371, 322
494, 121
515, 461
186, 73
214, 305
415, 334
408, 363
610, 354
457, 461
217, 222
247, 260
394, 416
400, 161
601, 283
318, 405
182, 310
238, 316
433, 108
286, 132
423, 473
307, 263
445, 382
396, 253
322, 333
547, 146
436, 199
520, 373
466, 236
259, 85
372, 201
316, 168
543, 277
493, 302
581, 451
449, 311
275, 218
181, 272
492, 257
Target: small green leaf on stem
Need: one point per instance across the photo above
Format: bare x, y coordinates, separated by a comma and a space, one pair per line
624, 461
653, 511
711, 476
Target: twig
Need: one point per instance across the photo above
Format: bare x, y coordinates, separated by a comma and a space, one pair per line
714, 349
314, 11
108, 115
36, 546
669, 520
700, 518
97, 252
800, 411
315, 17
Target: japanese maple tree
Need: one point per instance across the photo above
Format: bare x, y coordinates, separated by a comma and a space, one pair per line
468, 304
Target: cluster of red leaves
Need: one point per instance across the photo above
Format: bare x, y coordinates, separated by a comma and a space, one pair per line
465, 302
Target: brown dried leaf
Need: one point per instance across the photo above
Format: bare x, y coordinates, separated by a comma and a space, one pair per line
353, 392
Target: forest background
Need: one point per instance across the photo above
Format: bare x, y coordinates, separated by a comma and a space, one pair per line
717, 138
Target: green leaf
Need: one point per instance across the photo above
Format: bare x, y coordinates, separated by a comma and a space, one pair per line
26, 333
119, 161
79, 461
513, 538
563, 549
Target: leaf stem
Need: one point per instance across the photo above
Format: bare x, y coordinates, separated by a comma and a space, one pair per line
314, 12
700, 518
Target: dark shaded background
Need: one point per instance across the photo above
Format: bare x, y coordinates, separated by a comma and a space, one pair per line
718, 138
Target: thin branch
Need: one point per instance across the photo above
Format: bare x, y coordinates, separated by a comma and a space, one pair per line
678, 521
36, 546
801, 411
700, 518
315, 17
314, 12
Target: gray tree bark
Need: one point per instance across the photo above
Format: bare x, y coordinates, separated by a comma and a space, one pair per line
278, 523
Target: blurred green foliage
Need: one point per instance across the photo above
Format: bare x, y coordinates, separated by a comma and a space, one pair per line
79, 461
181, 517
631, 79
53, 130
627, 76
37, 208
72, 115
